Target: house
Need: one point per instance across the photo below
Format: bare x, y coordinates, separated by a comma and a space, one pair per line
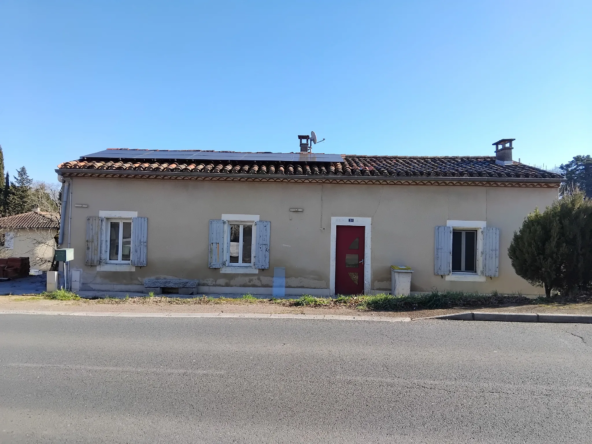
303, 223
31, 235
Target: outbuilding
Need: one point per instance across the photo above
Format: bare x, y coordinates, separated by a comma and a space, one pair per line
30, 235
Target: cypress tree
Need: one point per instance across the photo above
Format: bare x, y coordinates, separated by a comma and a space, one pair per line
1, 169
5, 203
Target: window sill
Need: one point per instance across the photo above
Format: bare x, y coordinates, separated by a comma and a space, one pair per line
239, 270
465, 277
116, 267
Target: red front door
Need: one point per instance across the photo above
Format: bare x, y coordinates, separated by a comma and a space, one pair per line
349, 260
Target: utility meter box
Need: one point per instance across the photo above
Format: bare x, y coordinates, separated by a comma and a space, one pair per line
64, 254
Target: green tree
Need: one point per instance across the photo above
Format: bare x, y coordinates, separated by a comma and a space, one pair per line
5, 198
1, 169
578, 174
20, 199
553, 249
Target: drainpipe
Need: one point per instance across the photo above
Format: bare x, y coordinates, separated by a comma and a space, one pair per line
71, 183
65, 191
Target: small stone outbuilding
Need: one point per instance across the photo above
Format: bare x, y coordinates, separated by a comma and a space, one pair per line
32, 235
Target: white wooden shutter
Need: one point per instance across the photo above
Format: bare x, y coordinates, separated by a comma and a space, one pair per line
490, 252
262, 247
9, 240
93, 239
139, 241
216, 253
443, 251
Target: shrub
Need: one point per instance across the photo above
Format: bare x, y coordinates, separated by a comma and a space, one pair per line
311, 301
553, 249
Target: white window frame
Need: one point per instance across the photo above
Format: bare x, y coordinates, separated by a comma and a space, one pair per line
106, 264
476, 225
241, 219
108, 223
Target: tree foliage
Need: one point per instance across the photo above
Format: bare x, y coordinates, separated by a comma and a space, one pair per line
24, 195
1, 170
553, 249
46, 196
21, 200
5, 197
578, 175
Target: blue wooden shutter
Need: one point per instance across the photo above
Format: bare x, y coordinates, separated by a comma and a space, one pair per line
262, 247
139, 241
443, 251
93, 239
491, 237
216, 254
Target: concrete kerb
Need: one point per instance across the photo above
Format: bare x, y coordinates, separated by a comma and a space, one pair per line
515, 317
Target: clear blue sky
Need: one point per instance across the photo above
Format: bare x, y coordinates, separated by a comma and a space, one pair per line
373, 77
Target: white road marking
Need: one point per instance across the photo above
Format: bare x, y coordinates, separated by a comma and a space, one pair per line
91, 368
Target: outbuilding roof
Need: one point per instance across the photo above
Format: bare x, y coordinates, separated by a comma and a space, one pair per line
351, 167
33, 219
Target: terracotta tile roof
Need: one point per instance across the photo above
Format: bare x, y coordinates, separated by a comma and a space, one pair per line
352, 166
32, 219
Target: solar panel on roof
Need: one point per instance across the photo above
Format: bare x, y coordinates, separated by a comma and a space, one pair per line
215, 155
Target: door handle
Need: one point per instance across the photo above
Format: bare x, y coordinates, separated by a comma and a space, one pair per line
361, 262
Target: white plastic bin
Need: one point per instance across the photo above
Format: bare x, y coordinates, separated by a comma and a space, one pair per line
400, 280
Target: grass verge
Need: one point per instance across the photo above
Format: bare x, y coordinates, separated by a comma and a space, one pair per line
381, 302
61, 295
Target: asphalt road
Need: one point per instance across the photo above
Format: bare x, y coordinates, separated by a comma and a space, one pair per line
66, 379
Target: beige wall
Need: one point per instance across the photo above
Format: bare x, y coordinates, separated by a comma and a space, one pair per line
403, 221
36, 244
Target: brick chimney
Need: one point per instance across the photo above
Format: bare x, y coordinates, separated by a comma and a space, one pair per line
503, 151
304, 143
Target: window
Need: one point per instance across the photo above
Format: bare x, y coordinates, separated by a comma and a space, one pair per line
120, 241
464, 251
7, 240
240, 243
116, 241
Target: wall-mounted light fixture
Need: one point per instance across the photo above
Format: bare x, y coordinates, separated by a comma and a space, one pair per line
296, 210
80, 205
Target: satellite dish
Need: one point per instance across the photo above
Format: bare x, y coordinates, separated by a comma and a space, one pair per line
313, 137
